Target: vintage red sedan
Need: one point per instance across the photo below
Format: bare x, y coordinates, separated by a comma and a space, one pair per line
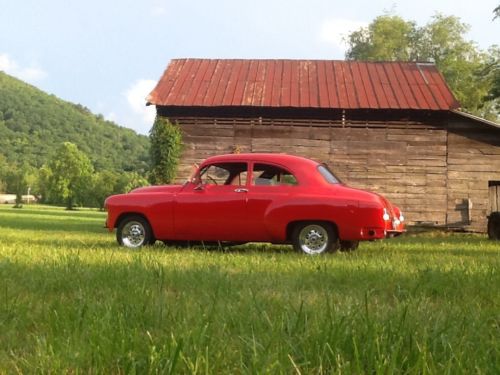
241, 198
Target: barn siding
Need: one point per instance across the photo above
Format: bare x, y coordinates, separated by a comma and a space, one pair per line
405, 162
473, 160
438, 177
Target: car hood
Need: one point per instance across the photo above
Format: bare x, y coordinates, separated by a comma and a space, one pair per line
157, 189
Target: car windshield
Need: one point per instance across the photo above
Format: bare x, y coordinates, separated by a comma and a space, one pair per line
328, 174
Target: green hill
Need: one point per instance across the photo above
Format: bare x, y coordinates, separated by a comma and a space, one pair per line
33, 124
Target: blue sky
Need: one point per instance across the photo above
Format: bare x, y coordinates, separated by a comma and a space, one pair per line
108, 54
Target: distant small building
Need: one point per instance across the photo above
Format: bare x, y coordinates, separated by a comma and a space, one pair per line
11, 198
391, 127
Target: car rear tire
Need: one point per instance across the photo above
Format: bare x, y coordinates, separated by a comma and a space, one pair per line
134, 232
314, 238
494, 226
348, 245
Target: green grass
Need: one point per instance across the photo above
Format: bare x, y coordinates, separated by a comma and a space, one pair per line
72, 301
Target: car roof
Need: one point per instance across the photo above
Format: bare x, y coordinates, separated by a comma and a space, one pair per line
301, 167
284, 159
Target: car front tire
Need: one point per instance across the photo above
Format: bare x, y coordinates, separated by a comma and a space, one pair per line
134, 232
494, 226
314, 238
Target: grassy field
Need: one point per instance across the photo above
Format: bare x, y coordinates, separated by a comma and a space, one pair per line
72, 301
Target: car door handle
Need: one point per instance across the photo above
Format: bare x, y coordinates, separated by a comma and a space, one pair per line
241, 190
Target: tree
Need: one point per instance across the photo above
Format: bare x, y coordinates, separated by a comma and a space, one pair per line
387, 38
3, 174
129, 181
496, 12
442, 41
17, 182
69, 177
31, 133
104, 185
166, 143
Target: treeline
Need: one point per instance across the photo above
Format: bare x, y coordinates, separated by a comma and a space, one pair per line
68, 178
61, 152
33, 124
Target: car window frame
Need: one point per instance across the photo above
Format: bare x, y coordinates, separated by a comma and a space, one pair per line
250, 178
197, 180
325, 167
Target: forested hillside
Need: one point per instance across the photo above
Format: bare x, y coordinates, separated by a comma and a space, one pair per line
33, 124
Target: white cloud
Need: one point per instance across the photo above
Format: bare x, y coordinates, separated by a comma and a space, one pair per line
136, 98
159, 8
335, 30
30, 74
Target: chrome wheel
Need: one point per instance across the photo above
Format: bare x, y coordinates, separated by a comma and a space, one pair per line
313, 239
133, 234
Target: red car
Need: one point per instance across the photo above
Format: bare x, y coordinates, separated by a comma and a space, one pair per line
241, 198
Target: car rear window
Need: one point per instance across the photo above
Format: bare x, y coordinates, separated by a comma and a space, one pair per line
328, 174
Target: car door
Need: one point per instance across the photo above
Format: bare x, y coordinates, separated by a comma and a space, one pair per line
269, 195
213, 207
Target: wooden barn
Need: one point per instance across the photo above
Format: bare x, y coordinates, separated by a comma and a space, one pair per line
389, 127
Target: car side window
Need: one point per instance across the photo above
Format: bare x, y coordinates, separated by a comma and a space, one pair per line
272, 175
224, 174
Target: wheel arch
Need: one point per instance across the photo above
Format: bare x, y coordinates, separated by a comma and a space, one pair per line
124, 215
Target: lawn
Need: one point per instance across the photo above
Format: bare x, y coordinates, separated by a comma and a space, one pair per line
72, 301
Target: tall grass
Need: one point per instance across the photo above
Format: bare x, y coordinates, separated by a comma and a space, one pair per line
71, 300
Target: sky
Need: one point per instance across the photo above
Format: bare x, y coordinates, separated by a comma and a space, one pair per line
108, 54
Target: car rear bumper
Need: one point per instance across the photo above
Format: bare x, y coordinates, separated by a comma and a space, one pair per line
378, 233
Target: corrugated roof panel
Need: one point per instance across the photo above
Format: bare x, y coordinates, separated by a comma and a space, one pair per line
202, 80
359, 88
322, 85
405, 87
333, 97
350, 88
192, 83
259, 84
278, 82
240, 83
441, 89
423, 83
378, 89
295, 86
396, 87
312, 85
250, 83
286, 83
368, 86
303, 84
340, 82
387, 87
408, 71
232, 81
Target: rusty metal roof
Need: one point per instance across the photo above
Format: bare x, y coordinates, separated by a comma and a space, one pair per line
303, 84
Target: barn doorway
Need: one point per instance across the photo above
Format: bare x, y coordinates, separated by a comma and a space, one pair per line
494, 196
494, 214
